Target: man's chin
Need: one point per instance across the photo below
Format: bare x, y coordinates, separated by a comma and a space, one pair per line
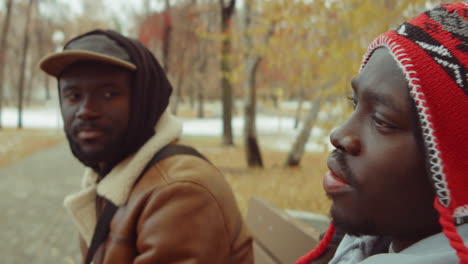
353, 226
90, 159
91, 156
93, 152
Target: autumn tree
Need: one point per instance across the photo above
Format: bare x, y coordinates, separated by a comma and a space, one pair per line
167, 35
44, 45
252, 59
3, 51
22, 69
184, 45
170, 35
206, 16
329, 38
226, 86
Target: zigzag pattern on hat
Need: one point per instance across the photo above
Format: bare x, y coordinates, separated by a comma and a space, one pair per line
405, 63
438, 52
451, 22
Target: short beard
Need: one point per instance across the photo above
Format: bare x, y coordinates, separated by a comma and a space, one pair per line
355, 229
109, 156
348, 226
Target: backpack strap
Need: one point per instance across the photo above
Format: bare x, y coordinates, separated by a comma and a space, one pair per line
171, 150
101, 230
103, 225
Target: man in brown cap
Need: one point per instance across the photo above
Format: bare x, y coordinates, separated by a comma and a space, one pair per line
144, 199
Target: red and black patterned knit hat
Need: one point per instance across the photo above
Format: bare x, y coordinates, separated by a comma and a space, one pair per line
432, 51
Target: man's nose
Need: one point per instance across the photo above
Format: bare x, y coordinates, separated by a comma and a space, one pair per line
88, 109
346, 138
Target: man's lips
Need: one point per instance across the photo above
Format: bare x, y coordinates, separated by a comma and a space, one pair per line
333, 180
333, 184
87, 134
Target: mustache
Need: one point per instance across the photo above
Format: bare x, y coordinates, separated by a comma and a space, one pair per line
342, 162
88, 125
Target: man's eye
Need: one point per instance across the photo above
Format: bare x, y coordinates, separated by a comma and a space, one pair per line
353, 101
72, 96
109, 94
379, 123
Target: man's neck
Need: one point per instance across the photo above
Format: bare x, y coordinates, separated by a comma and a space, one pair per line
399, 244
103, 170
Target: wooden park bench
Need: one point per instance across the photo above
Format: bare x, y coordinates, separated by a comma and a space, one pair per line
280, 238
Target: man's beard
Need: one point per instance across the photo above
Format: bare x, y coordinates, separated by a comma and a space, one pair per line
110, 154
355, 227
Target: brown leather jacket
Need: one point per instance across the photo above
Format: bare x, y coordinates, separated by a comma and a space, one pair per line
181, 211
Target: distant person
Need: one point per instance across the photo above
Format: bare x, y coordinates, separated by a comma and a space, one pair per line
398, 175
144, 199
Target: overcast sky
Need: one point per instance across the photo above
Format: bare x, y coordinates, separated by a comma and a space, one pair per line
123, 9
118, 7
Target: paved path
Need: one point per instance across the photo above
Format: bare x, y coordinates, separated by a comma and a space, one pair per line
34, 224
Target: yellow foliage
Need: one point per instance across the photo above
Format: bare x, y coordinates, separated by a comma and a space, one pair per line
316, 46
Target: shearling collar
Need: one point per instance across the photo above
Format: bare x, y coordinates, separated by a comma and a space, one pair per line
117, 185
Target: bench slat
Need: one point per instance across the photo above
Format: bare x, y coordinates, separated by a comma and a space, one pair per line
278, 234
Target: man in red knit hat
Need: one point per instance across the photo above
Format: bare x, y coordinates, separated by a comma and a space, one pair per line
398, 176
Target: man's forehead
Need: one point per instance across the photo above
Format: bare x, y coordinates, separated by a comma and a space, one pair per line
380, 57
382, 81
381, 67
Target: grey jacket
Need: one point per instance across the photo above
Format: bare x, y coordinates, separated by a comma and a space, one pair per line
434, 249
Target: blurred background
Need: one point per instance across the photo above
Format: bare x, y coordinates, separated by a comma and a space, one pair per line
259, 85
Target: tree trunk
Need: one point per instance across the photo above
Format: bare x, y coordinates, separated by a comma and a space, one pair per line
42, 49
178, 93
46, 86
23, 65
275, 100
252, 149
167, 36
299, 108
200, 64
294, 157
226, 14
192, 92
180, 81
254, 156
3, 50
200, 109
29, 86
199, 80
